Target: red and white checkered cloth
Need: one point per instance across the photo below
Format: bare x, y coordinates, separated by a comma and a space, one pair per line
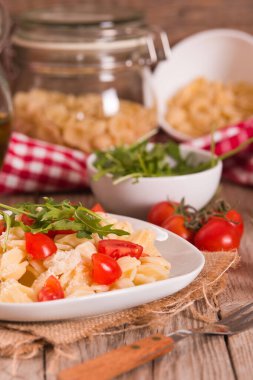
238, 168
31, 165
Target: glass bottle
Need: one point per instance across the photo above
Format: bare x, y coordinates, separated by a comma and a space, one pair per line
5, 96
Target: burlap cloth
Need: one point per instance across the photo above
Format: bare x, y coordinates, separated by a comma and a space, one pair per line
25, 340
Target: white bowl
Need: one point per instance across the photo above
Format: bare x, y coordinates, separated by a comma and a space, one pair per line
220, 54
135, 199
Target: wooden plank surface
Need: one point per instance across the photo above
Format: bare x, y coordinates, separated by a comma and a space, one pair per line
240, 289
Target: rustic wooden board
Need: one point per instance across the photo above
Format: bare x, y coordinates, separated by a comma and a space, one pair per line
240, 289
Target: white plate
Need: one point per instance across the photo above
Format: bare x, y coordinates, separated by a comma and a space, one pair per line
224, 55
186, 262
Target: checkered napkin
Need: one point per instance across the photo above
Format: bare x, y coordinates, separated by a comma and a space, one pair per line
34, 166
31, 165
238, 168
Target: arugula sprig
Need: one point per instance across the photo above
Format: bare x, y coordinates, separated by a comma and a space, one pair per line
52, 215
142, 160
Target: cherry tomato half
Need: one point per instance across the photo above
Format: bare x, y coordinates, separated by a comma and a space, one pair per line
27, 220
52, 290
105, 270
2, 226
161, 211
119, 248
53, 233
217, 235
39, 246
176, 224
97, 208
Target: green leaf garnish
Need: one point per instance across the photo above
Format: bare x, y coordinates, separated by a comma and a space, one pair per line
53, 216
142, 160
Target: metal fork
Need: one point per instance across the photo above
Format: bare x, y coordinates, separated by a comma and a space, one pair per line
239, 320
125, 358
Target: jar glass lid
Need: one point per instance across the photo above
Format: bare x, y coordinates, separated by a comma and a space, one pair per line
80, 27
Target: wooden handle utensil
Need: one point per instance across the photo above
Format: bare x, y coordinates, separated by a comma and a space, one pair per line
121, 360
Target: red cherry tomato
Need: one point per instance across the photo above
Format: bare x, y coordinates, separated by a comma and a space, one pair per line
39, 246
52, 290
2, 226
236, 220
161, 211
119, 248
27, 220
176, 224
53, 233
106, 270
217, 235
97, 208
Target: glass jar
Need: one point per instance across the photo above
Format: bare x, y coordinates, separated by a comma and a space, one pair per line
5, 96
84, 76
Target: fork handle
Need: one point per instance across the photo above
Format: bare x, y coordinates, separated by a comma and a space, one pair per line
121, 360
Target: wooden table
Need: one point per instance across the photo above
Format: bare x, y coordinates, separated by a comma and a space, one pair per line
202, 358
209, 358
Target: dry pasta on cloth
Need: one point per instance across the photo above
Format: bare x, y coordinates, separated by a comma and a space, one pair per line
22, 277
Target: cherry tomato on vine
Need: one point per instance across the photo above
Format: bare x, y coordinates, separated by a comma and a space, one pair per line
39, 246
119, 248
176, 224
26, 220
234, 218
97, 208
52, 290
105, 270
2, 227
161, 211
217, 235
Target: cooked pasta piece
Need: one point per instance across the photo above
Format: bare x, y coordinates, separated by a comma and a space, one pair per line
13, 264
146, 239
152, 269
12, 291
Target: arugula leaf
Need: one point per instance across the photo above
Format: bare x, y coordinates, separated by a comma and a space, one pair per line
53, 216
142, 160
8, 220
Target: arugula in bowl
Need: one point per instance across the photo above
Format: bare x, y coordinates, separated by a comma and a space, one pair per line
148, 160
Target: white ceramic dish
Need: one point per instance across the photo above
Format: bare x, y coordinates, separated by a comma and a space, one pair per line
186, 260
225, 55
135, 199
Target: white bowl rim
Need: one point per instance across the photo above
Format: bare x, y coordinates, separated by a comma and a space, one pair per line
220, 32
192, 149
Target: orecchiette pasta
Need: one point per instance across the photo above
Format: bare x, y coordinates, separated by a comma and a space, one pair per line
204, 105
22, 276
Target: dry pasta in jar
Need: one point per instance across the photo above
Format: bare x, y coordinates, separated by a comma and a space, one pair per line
80, 121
